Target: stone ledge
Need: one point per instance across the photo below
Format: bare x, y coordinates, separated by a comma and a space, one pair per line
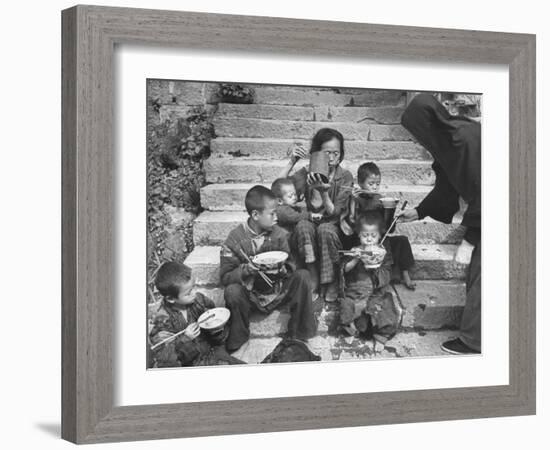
299, 129
212, 228
230, 196
267, 148
380, 115
245, 170
433, 262
308, 96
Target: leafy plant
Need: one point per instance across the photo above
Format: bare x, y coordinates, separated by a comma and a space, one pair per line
235, 93
175, 174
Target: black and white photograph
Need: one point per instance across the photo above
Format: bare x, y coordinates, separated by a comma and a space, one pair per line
305, 224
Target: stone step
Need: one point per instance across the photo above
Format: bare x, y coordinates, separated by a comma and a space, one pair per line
308, 96
212, 227
433, 305
381, 115
267, 148
230, 196
240, 170
433, 262
411, 344
289, 129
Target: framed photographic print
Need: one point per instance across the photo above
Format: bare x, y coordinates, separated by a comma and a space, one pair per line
265, 230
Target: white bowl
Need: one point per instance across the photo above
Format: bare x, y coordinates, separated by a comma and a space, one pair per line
270, 260
221, 316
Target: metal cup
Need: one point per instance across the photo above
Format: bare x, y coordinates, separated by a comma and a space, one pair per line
318, 164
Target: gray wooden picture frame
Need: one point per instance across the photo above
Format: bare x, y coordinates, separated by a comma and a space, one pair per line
90, 34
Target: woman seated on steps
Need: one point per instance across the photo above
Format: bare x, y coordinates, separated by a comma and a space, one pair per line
327, 199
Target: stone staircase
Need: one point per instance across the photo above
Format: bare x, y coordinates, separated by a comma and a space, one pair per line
251, 148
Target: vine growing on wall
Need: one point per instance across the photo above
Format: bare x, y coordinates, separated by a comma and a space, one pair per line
175, 153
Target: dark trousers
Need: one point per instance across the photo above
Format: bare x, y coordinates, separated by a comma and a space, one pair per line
470, 326
401, 252
301, 325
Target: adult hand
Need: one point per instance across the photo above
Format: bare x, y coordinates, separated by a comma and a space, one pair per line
407, 215
297, 151
463, 253
192, 331
316, 182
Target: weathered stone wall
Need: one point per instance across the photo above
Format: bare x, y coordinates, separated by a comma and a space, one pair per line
179, 130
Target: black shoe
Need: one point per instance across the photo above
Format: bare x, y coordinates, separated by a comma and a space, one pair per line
457, 347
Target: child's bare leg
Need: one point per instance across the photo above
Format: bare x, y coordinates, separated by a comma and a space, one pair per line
314, 276
409, 284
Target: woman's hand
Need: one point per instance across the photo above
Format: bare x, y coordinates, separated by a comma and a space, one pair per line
316, 182
463, 253
192, 331
297, 151
408, 215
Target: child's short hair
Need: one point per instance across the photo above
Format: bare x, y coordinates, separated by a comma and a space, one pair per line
256, 197
371, 217
366, 170
277, 186
170, 276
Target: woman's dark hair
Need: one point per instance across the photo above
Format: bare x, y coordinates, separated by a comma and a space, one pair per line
325, 135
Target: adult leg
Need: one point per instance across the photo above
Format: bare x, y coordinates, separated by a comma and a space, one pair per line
470, 326
403, 258
303, 242
329, 244
469, 339
237, 301
302, 323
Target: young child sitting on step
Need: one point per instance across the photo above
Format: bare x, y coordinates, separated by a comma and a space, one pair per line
179, 311
246, 290
300, 224
364, 283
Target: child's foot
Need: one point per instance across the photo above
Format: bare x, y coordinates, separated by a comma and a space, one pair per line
409, 284
350, 329
331, 292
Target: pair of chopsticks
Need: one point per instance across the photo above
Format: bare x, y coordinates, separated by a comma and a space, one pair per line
174, 336
350, 188
393, 222
263, 275
346, 252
